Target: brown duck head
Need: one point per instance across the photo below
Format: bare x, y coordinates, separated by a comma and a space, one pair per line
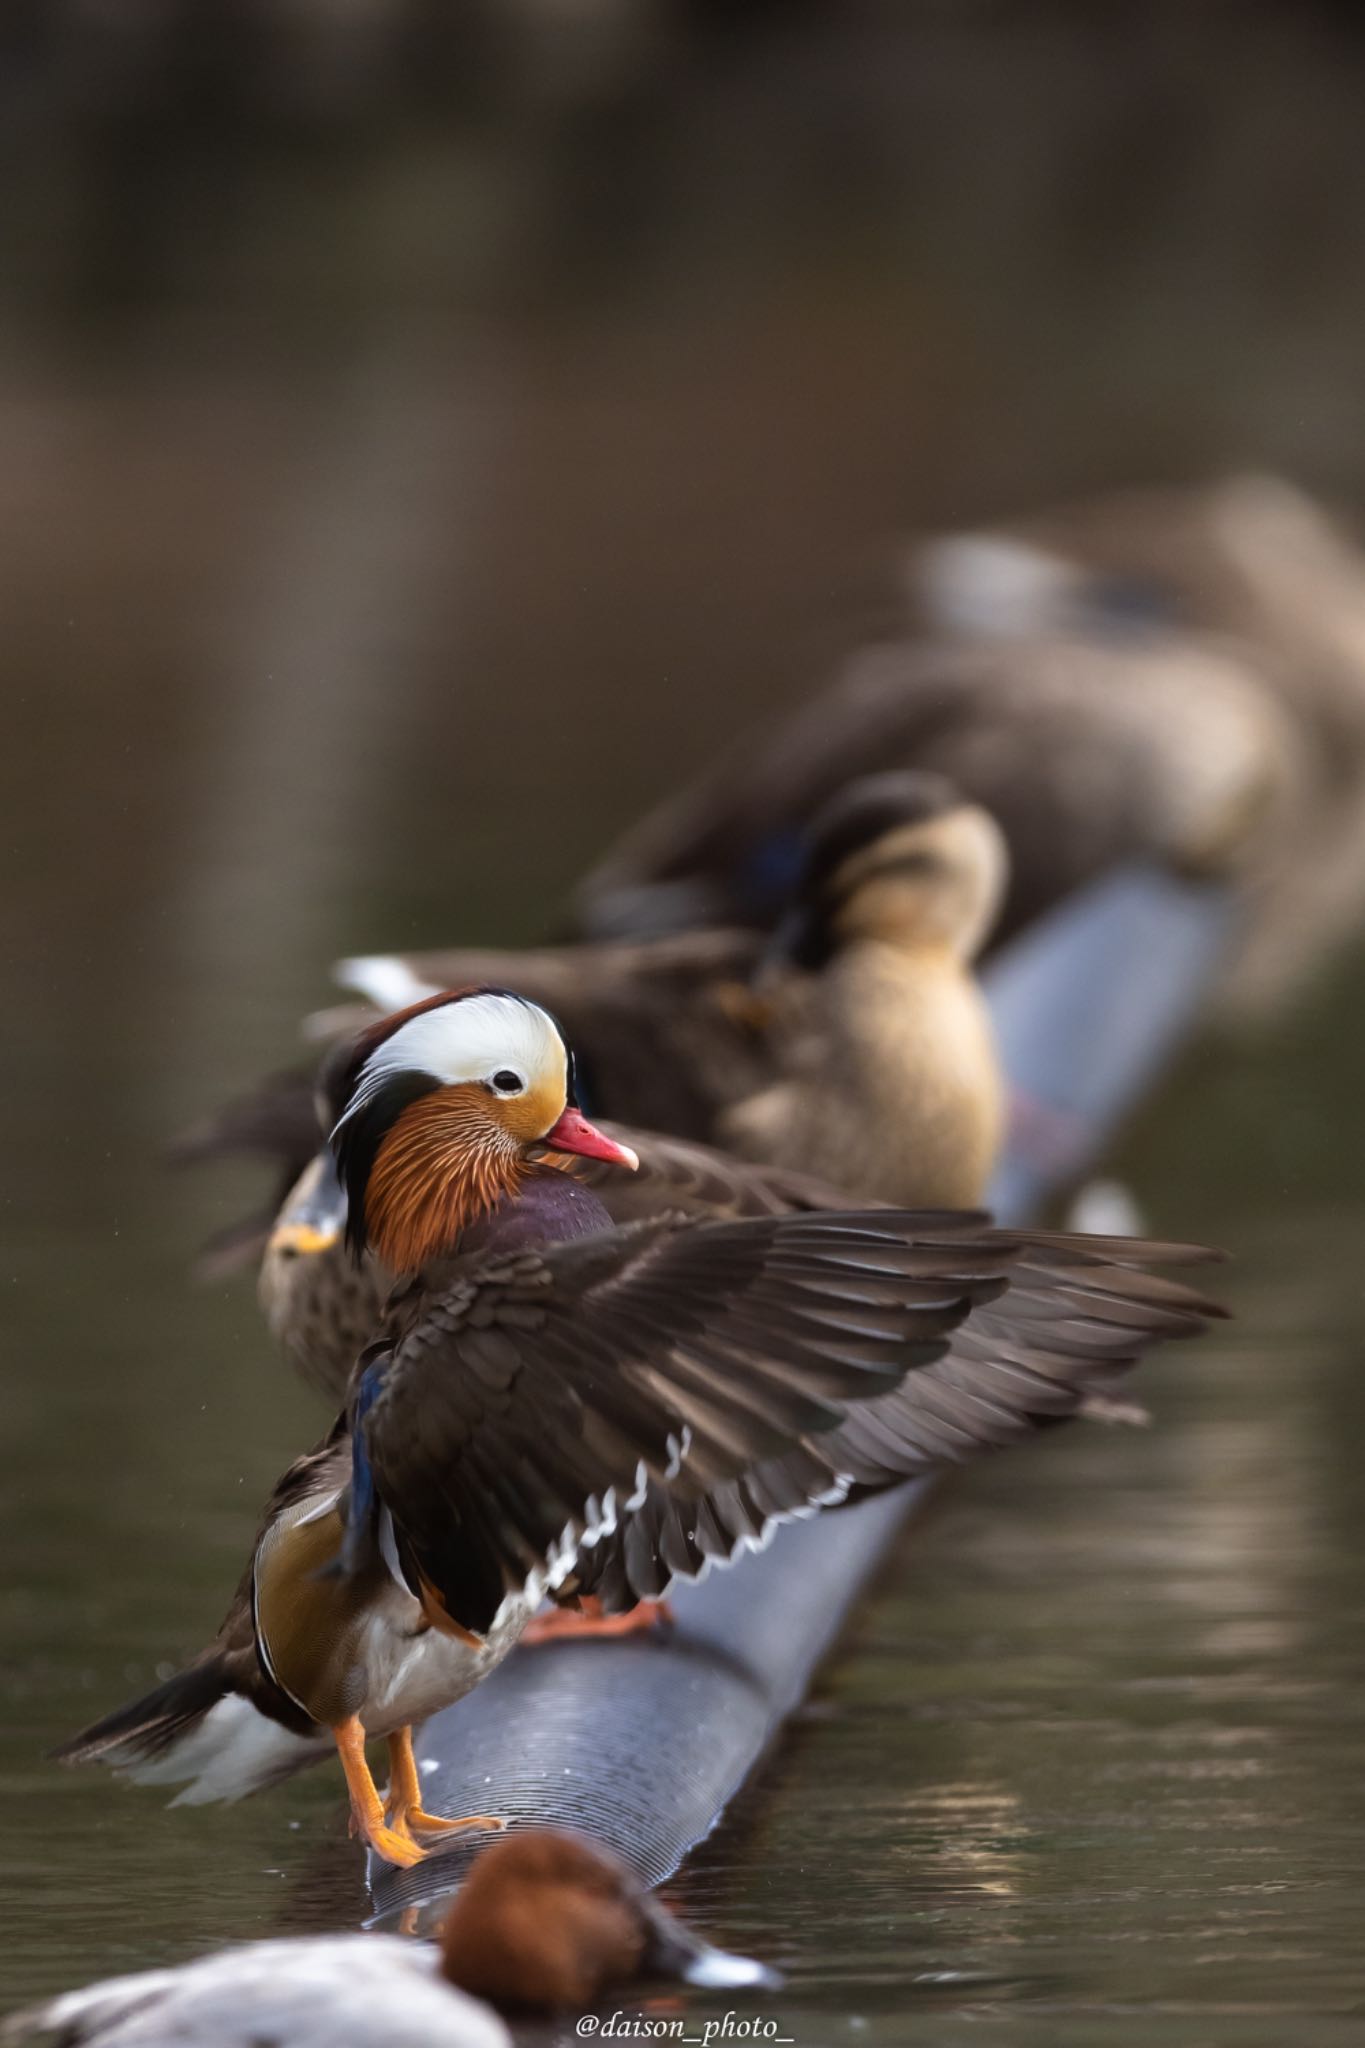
549, 1920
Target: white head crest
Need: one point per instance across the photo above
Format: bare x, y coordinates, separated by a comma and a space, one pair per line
507, 1044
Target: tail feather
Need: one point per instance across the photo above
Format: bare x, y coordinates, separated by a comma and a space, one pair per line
199, 1732
146, 1728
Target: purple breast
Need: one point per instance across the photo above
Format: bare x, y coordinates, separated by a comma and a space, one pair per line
550, 1208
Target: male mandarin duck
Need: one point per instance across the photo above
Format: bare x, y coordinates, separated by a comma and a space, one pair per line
545, 1921
558, 1403
853, 1042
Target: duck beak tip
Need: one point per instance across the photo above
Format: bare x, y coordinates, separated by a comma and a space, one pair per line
573, 1133
716, 1970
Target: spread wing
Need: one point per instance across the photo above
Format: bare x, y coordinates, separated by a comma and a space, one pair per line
1075, 1317
323, 1309
1078, 1314
531, 1400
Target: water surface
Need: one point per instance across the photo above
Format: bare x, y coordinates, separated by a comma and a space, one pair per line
354, 602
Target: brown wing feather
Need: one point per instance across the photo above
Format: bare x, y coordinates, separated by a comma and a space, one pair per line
323, 1308
697, 1180
530, 1390
1076, 1316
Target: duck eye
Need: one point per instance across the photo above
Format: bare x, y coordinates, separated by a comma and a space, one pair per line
507, 1082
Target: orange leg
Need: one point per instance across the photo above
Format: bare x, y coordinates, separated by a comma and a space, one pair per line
405, 1809
562, 1625
367, 1808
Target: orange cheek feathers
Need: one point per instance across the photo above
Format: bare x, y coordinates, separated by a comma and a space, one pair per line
446, 1161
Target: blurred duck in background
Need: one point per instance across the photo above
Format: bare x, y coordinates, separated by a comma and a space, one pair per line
321, 1305
1172, 676
1250, 559
559, 1404
276, 1122
1124, 739
853, 1044
545, 1921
